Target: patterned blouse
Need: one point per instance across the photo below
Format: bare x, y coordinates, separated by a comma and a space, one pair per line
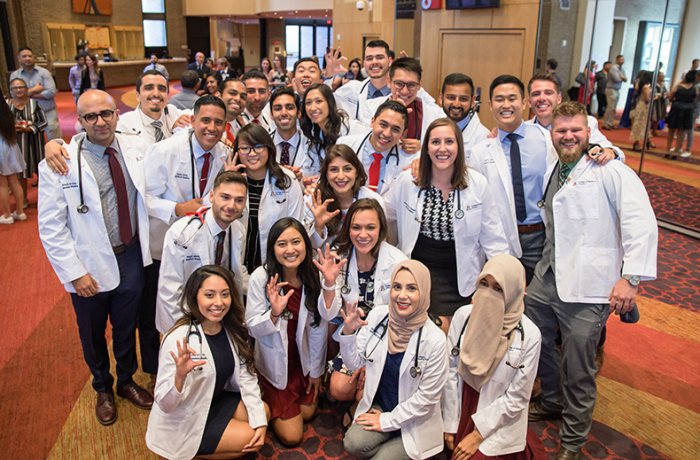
437, 215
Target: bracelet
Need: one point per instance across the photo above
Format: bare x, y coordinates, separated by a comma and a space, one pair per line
273, 315
327, 288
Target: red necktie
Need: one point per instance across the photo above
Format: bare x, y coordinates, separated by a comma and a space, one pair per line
256, 121
125, 231
284, 156
374, 170
205, 174
229, 133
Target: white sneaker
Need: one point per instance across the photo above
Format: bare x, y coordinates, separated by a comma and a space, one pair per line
6, 220
16, 216
685, 154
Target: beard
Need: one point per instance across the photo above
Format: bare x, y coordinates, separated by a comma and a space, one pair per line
572, 154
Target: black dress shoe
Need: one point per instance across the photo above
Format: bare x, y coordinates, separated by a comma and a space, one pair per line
105, 410
566, 454
537, 413
137, 395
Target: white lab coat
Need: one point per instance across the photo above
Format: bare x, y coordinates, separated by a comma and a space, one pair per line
169, 181
477, 236
501, 414
431, 112
604, 226
473, 133
596, 136
489, 159
265, 118
387, 259
271, 340
77, 244
418, 414
135, 122
276, 203
188, 245
319, 241
177, 420
353, 95
395, 161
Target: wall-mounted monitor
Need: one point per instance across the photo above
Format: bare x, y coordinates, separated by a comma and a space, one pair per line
469, 4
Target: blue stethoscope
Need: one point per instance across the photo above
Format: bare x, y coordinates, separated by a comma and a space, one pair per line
383, 326
459, 213
456, 349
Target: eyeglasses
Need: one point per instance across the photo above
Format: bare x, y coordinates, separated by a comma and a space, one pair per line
106, 115
15, 88
411, 85
259, 148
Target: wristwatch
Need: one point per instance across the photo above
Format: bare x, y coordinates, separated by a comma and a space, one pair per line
632, 279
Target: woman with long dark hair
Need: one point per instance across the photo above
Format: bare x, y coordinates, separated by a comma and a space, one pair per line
290, 336
212, 83
92, 76
273, 191
207, 399
11, 161
341, 183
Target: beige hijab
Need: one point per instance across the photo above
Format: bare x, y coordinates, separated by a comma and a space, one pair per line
401, 328
493, 318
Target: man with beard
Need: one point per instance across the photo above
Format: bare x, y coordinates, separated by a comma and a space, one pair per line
600, 220
458, 102
234, 95
258, 89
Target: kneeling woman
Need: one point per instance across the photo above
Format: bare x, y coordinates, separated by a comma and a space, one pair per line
290, 337
405, 355
494, 351
207, 399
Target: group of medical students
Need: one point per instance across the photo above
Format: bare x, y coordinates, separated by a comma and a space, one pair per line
309, 245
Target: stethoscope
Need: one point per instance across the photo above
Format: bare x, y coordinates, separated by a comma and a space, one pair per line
193, 331
357, 104
541, 203
474, 109
383, 325
393, 152
296, 148
418, 215
456, 349
192, 166
369, 288
199, 218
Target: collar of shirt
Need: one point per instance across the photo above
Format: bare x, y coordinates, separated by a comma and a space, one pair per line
537, 121
146, 120
98, 151
368, 150
212, 226
463, 122
294, 140
198, 150
371, 89
260, 118
520, 131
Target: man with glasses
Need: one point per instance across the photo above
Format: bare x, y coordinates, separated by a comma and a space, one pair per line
258, 90
93, 223
405, 76
41, 87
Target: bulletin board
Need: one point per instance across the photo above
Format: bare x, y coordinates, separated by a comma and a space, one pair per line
97, 36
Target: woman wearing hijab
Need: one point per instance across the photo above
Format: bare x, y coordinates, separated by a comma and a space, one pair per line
494, 351
405, 359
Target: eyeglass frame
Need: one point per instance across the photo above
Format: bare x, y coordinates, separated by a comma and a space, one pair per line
258, 148
410, 85
101, 114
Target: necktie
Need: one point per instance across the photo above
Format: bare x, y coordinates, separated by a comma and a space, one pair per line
284, 156
374, 169
154, 66
115, 169
256, 121
158, 125
377, 93
564, 171
517, 173
219, 252
229, 133
205, 174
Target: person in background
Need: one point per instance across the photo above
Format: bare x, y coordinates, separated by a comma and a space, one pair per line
306, 73
207, 399
354, 71
198, 65
681, 117
278, 75
550, 68
660, 103
222, 67
266, 67
11, 164
494, 351
92, 76
234, 95
616, 77
75, 75
640, 113
211, 83
585, 91
185, 99
30, 122
41, 87
601, 82
154, 65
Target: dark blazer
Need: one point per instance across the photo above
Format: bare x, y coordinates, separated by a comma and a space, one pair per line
193, 66
85, 81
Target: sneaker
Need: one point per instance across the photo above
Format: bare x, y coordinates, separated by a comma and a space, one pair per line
6, 220
16, 216
685, 154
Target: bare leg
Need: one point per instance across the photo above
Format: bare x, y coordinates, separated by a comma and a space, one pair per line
669, 141
237, 435
17, 192
289, 431
4, 197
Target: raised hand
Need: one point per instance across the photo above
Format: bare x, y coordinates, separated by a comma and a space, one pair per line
319, 208
278, 302
184, 363
232, 164
333, 63
329, 264
352, 318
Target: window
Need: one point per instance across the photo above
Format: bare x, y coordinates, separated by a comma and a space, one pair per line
306, 39
153, 6
154, 33
155, 30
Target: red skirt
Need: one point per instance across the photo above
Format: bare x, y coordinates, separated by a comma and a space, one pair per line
534, 449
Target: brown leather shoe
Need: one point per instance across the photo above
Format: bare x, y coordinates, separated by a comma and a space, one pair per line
137, 395
105, 410
537, 413
566, 454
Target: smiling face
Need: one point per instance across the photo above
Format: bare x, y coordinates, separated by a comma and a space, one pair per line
387, 130
376, 62
234, 96
308, 73
456, 101
284, 113
405, 86
355, 68
316, 107
364, 231
227, 202
153, 95
507, 106
290, 249
404, 293
209, 124
101, 132
255, 162
341, 176
544, 97
443, 148
258, 94
26, 58
213, 300
212, 85
570, 137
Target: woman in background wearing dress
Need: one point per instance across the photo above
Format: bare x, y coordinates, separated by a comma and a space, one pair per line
680, 118
11, 161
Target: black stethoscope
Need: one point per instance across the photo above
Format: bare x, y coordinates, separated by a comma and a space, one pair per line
345, 289
383, 325
192, 166
474, 109
540, 203
357, 104
193, 331
199, 218
456, 349
459, 213
296, 148
394, 151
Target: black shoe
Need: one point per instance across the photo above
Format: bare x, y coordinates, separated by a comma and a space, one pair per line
537, 413
566, 454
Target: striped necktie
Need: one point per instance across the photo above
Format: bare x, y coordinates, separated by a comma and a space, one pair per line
158, 127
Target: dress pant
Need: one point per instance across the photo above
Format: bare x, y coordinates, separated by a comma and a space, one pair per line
602, 103
149, 337
374, 444
53, 128
567, 372
532, 245
611, 96
120, 305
